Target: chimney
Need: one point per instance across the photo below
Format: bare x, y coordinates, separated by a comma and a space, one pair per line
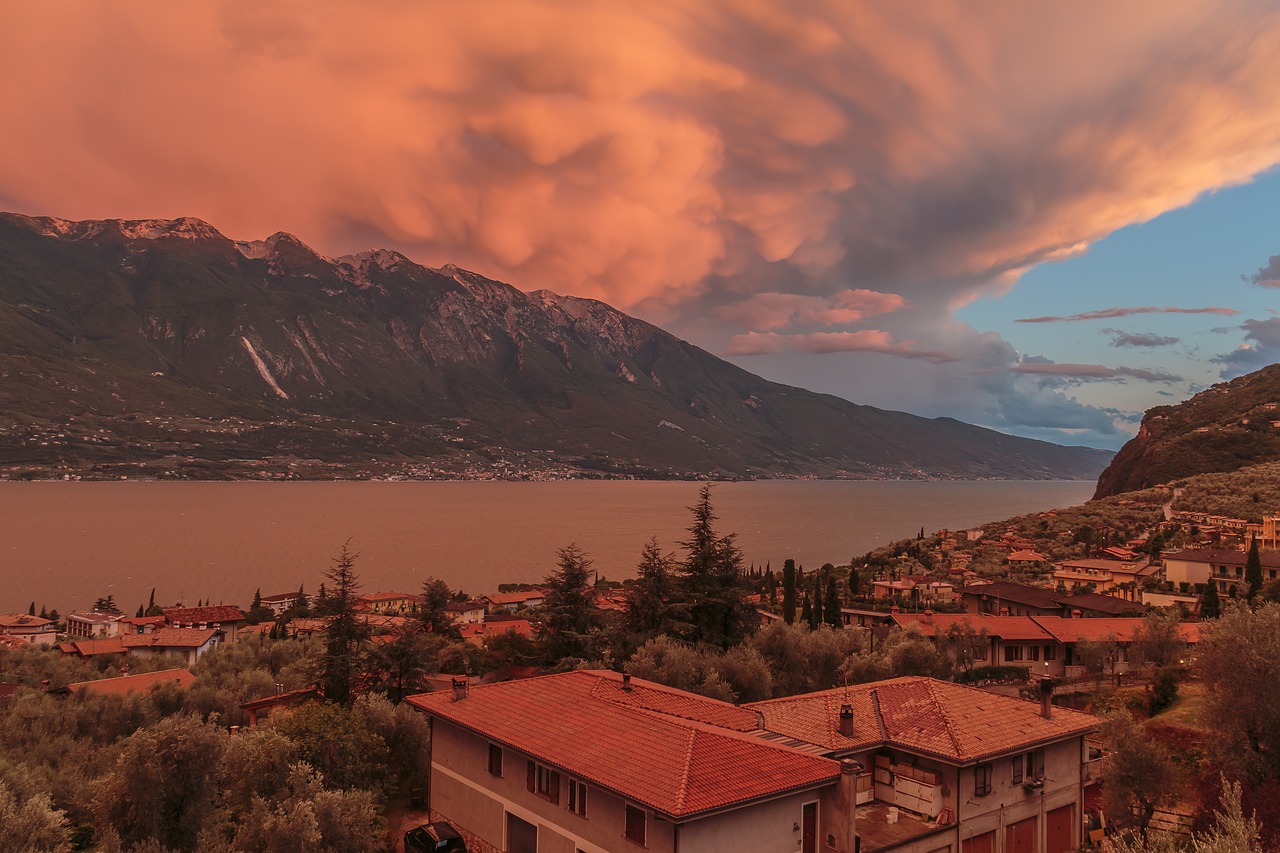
626, 681
1076, 614
1046, 698
1004, 611
846, 720
459, 688
928, 617
894, 609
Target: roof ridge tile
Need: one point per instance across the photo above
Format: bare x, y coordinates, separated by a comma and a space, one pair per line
682, 787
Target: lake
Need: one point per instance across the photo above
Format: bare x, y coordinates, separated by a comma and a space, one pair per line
65, 544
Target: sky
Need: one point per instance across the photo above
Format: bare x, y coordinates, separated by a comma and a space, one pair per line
1042, 218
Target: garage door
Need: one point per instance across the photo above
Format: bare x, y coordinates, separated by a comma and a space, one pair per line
1060, 830
522, 836
984, 843
1020, 837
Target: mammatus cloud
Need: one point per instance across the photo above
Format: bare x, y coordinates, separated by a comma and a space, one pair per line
1268, 276
1137, 339
823, 343
1261, 347
1111, 313
766, 311
638, 152
1091, 372
680, 159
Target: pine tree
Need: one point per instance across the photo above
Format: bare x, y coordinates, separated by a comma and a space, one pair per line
789, 591
649, 600
434, 613
1210, 603
831, 607
1253, 569
569, 606
257, 599
344, 634
713, 606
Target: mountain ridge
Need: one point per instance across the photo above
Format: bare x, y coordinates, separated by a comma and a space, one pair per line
377, 363
1226, 427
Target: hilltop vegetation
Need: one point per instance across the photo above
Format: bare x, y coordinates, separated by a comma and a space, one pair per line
1224, 428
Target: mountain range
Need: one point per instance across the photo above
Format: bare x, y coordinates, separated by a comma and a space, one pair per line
161, 348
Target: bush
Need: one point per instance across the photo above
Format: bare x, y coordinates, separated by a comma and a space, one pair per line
993, 673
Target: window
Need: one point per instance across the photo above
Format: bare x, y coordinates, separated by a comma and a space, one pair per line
1050, 652
495, 760
544, 782
635, 825
1034, 762
1012, 653
577, 797
1017, 770
982, 780
1033, 653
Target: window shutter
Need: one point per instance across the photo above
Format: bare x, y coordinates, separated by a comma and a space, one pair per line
533, 776
553, 783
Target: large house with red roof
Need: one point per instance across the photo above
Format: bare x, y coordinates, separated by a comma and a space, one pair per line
28, 629
225, 619
598, 762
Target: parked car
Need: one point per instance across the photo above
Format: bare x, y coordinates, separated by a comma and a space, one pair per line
437, 837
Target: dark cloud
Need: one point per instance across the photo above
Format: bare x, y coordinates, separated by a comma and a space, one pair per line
1091, 372
1111, 313
1260, 348
1137, 339
1268, 276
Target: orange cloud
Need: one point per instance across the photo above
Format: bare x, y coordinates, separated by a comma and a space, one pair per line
638, 152
824, 343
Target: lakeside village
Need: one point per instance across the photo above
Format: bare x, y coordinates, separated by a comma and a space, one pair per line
1023, 686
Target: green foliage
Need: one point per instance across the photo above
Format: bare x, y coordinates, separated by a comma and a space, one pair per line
432, 613
1140, 772
1253, 569
164, 783
831, 605
712, 607
789, 601
343, 634
32, 825
1238, 659
993, 673
310, 817
802, 660
569, 616
338, 742
649, 598
1210, 601
408, 742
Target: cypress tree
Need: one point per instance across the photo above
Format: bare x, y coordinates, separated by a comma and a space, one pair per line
1253, 569
806, 613
817, 600
789, 591
1210, 604
31, 611
853, 580
257, 599
831, 607
141, 610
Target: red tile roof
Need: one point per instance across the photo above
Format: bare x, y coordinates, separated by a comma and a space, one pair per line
89, 648
143, 620
170, 638
952, 722
196, 615
22, 620
585, 724
134, 683
372, 597
1121, 628
1016, 628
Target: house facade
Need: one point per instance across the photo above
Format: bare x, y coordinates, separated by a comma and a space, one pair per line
94, 624
1224, 567
390, 603
189, 644
28, 629
226, 619
594, 761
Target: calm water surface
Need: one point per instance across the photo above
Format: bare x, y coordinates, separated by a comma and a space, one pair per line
65, 544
